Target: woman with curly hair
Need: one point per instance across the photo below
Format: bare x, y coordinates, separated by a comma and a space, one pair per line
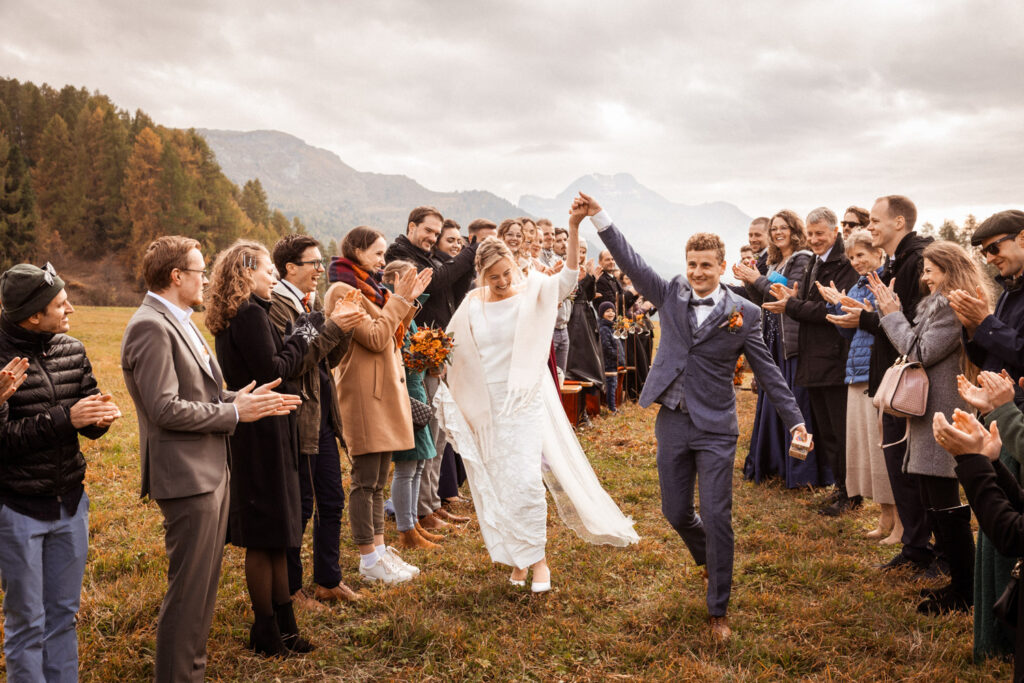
788, 260
265, 509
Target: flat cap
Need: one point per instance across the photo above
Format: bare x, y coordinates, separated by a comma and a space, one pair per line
1003, 223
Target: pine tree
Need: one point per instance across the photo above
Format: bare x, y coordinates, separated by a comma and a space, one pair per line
17, 207
143, 196
58, 201
254, 202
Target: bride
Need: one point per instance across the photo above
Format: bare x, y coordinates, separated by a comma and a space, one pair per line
502, 413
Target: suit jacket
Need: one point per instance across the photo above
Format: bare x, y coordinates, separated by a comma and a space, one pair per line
707, 359
610, 290
184, 413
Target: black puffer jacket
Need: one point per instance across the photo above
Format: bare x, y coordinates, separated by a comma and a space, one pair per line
448, 275
39, 453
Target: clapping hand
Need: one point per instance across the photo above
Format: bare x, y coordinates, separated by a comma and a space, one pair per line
974, 396
411, 284
256, 404
96, 409
782, 293
850, 318
886, 298
966, 435
347, 312
745, 273
12, 376
970, 310
829, 293
993, 390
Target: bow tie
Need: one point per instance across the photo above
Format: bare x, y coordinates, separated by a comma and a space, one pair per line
702, 302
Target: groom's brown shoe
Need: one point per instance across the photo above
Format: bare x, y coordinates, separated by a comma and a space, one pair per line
720, 628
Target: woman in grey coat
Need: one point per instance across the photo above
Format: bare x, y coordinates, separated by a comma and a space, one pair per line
934, 340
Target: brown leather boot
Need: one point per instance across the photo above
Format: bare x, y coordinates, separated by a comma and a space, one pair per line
412, 539
432, 521
427, 535
449, 517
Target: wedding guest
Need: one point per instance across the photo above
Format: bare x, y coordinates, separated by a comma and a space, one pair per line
560, 337
451, 279
865, 464
994, 339
757, 238
44, 509
854, 218
639, 342
405, 484
480, 229
559, 242
185, 418
510, 231
607, 285
821, 362
265, 514
584, 361
547, 239
891, 225
614, 355
299, 262
449, 242
933, 339
788, 262
376, 417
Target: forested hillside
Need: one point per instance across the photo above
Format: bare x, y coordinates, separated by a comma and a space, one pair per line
90, 184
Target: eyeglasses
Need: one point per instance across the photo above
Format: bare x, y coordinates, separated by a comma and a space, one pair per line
993, 248
204, 272
319, 264
850, 224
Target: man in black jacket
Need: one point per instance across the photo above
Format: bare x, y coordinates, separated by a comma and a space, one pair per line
44, 511
891, 225
757, 238
995, 339
821, 363
422, 231
607, 286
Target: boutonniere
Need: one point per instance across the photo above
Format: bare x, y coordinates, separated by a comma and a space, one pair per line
735, 321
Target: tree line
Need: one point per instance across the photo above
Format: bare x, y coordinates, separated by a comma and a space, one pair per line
79, 174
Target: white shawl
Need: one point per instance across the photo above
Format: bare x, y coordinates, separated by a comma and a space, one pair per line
463, 409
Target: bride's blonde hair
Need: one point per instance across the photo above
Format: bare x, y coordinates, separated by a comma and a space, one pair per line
490, 251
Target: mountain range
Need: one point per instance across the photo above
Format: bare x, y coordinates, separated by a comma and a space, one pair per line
331, 197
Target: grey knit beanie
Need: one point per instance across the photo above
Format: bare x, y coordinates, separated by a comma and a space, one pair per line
26, 289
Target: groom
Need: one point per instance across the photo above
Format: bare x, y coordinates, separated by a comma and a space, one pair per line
704, 329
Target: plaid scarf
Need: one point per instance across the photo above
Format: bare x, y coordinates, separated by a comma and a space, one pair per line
344, 270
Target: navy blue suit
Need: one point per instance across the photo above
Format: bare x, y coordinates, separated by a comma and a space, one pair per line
697, 440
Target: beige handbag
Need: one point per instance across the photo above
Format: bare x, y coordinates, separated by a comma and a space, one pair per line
903, 391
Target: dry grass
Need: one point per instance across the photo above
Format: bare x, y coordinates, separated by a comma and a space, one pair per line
807, 603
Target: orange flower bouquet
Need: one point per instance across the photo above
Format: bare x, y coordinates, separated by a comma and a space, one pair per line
737, 378
428, 349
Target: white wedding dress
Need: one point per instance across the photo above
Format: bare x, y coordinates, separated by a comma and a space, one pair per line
528, 443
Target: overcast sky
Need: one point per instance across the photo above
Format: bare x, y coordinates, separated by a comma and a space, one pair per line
766, 105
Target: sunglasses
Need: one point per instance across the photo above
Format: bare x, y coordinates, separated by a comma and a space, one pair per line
993, 248
850, 224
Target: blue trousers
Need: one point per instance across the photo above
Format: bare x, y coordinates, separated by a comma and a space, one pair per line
688, 456
405, 489
611, 384
41, 566
323, 499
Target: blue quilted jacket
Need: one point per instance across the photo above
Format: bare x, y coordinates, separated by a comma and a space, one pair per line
859, 358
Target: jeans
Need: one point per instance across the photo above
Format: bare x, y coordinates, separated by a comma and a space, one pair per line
41, 567
405, 486
323, 499
561, 341
611, 383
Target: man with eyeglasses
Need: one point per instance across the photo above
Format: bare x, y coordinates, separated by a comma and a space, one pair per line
994, 339
300, 265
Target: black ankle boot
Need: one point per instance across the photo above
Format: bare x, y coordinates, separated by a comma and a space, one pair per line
285, 616
265, 637
953, 527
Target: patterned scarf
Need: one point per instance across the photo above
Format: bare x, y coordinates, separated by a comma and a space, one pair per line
344, 270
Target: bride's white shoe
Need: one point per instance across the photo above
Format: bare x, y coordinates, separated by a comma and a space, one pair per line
540, 586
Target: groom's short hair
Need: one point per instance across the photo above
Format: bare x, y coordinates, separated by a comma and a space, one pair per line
706, 241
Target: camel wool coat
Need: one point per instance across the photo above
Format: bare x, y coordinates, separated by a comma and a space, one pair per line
372, 398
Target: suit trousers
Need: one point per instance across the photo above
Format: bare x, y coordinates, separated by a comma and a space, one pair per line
906, 491
323, 499
688, 456
828, 410
429, 499
194, 531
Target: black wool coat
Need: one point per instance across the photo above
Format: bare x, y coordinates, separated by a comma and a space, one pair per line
822, 358
265, 510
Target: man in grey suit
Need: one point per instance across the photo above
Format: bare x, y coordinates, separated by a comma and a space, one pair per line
704, 329
185, 417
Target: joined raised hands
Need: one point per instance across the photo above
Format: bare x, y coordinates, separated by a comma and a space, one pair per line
255, 403
347, 312
411, 284
12, 376
966, 435
886, 299
96, 409
970, 309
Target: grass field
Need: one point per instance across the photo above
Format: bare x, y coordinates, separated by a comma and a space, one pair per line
806, 603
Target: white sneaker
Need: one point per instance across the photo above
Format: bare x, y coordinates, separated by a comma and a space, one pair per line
397, 559
385, 571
